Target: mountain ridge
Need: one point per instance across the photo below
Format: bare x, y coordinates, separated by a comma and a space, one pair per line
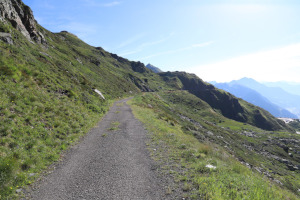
255, 98
293, 88
230, 106
276, 95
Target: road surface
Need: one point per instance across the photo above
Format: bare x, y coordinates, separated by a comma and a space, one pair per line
111, 162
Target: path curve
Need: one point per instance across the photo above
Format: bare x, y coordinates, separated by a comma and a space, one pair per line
109, 163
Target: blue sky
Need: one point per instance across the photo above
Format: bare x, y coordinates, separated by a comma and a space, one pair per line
218, 40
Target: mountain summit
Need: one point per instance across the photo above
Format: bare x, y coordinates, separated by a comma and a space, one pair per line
20, 17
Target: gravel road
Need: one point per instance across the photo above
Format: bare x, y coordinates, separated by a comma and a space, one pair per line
109, 163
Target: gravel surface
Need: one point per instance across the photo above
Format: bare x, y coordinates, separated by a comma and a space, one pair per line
109, 163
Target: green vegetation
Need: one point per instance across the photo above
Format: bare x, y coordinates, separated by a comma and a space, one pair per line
176, 146
295, 124
114, 126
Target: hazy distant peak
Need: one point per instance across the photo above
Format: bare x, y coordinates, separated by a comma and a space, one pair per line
246, 80
153, 68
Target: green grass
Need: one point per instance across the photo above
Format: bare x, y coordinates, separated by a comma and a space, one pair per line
114, 126
181, 154
35, 126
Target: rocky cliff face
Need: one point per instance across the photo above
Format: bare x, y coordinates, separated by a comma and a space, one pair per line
21, 18
229, 106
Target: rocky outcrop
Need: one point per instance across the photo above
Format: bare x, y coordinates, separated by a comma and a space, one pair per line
118, 58
21, 17
140, 83
226, 103
138, 67
6, 37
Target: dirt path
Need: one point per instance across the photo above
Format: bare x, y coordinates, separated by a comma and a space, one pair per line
110, 163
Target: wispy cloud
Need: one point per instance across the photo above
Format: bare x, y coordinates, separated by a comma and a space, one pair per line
202, 44
45, 4
272, 65
141, 47
198, 45
130, 41
94, 3
126, 53
115, 3
246, 8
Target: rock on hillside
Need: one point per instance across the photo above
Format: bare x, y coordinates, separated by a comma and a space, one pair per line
21, 18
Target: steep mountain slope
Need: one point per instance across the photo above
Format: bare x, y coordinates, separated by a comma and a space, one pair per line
153, 68
225, 103
276, 95
255, 98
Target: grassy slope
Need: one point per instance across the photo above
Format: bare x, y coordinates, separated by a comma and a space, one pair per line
185, 147
47, 100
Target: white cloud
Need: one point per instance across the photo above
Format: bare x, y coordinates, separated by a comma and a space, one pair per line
126, 53
272, 65
46, 5
115, 3
203, 44
246, 8
130, 41
143, 45
94, 3
179, 50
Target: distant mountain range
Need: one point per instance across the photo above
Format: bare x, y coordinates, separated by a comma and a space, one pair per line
255, 98
153, 68
276, 100
293, 88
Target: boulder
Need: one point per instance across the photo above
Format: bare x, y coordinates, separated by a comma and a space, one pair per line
6, 37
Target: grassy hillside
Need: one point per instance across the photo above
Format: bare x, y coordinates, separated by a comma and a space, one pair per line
186, 136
